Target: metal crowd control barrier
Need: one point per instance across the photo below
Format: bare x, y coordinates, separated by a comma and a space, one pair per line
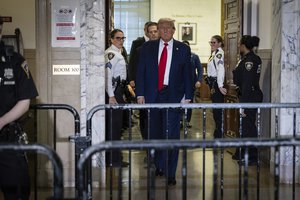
58, 188
80, 142
190, 144
87, 194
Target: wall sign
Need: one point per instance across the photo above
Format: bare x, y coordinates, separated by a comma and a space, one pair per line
65, 23
66, 70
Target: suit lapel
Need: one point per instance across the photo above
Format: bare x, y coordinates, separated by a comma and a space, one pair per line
175, 55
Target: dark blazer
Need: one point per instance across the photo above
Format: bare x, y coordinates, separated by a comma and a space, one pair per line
180, 77
133, 58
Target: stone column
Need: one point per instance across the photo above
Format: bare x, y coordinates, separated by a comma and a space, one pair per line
92, 36
286, 77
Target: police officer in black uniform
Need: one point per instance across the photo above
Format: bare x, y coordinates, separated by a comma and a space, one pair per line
246, 78
16, 90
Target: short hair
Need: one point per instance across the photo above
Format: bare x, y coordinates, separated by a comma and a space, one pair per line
167, 20
151, 24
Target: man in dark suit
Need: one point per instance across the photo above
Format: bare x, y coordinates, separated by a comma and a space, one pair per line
169, 84
133, 53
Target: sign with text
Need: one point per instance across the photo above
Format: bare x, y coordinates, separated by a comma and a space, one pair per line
65, 23
66, 70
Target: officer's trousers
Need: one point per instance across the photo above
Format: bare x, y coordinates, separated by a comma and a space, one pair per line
217, 97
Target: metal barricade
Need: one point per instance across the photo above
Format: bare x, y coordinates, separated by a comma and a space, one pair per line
85, 162
80, 142
189, 144
58, 188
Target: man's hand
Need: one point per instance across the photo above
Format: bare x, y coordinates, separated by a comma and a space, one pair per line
186, 101
223, 90
141, 100
112, 101
198, 84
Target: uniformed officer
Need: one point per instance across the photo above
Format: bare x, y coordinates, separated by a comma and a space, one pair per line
115, 83
16, 90
246, 78
215, 80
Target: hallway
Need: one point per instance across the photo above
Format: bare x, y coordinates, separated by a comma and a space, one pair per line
195, 173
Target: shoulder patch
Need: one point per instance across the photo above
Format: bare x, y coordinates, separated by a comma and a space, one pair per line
24, 65
110, 55
219, 56
108, 65
249, 65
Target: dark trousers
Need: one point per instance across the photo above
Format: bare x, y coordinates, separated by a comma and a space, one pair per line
143, 118
189, 111
113, 126
165, 125
249, 128
14, 176
217, 97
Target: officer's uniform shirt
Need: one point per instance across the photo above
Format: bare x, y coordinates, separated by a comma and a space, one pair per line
246, 76
215, 66
15, 81
115, 66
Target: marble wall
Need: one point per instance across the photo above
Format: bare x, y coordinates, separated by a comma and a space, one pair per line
286, 70
92, 39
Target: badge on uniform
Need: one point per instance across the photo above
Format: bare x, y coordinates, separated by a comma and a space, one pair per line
8, 73
110, 55
219, 56
249, 65
25, 68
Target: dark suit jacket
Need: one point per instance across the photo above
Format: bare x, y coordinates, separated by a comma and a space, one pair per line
180, 77
133, 58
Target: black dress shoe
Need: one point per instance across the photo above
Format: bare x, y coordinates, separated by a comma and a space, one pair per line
171, 181
159, 172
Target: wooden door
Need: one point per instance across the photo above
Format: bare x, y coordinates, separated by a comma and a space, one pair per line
232, 31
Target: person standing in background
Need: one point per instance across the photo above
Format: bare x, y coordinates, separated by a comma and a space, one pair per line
115, 83
164, 76
246, 78
215, 80
152, 33
17, 88
132, 68
197, 74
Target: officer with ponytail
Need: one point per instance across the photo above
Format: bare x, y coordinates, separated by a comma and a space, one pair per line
246, 78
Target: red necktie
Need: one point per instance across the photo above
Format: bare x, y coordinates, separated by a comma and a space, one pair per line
162, 67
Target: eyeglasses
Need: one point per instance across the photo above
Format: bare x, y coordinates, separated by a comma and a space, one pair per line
120, 38
212, 42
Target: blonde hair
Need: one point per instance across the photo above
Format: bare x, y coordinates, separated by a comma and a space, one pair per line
167, 20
